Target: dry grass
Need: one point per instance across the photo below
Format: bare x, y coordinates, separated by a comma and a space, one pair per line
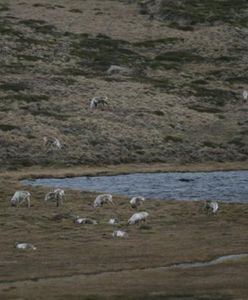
165, 110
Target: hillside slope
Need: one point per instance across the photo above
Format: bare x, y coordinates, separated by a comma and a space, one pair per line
178, 97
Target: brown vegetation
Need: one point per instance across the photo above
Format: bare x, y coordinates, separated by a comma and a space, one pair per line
179, 107
184, 88
84, 261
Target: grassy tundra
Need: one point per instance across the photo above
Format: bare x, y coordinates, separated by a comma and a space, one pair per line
179, 102
84, 262
177, 106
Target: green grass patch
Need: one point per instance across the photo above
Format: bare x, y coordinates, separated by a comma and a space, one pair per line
27, 41
158, 113
225, 59
237, 141
162, 84
238, 79
3, 7
204, 108
31, 58
173, 138
32, 22
217, 97
192, 12
98, 54
158, 64
75, 10
39, 26
145, 227
210, 144
199, 81
154, 43
6, 28
183, 56
76, 71
28, 97
7, 127
14, 86
47, 6
51, 113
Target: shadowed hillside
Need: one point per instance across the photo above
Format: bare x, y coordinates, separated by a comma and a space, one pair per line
177, 98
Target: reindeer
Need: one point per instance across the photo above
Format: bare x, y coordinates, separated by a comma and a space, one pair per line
98, 100
51, 142
137, 218
136, 201
211, 206
102, 199
20, 197
57, 195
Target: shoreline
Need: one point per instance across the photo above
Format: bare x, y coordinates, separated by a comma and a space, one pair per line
35, 172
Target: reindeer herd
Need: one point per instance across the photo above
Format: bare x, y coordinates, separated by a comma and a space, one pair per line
58, 196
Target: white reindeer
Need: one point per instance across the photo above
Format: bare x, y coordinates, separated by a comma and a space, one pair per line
103, 199
57, 195
79, 220
98, 100
20, 197
136, 201
211, 206
119, 234
138, 217
245, 95
113, 221
24, 246
52, 142
114, 69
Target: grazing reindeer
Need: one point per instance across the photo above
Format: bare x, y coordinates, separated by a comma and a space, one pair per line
20, 197
211, 206
98, 100
57, 195
102, 199
137, 218
51, 142
136, 201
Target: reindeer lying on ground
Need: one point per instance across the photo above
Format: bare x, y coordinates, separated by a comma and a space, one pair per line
79, 220
119, 234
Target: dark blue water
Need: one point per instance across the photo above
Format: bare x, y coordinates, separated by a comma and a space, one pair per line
231, 186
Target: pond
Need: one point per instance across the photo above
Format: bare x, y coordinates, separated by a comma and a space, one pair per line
228, 186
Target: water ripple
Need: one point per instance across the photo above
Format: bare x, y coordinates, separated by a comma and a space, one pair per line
230, 186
